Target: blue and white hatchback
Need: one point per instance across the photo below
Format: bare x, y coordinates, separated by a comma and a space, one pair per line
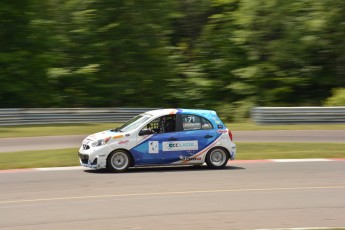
161, 137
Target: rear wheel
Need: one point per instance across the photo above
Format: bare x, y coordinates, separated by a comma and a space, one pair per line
119, 161
217, 158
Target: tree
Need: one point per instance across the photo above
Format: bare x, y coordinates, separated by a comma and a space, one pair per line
227, 55
23, 59
337, 99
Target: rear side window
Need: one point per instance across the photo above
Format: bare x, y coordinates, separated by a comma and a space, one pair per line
194, 122
205, 124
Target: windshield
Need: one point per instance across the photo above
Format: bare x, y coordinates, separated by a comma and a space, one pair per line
133, 123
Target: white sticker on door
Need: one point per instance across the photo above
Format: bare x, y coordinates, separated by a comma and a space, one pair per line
180, 145
153, 147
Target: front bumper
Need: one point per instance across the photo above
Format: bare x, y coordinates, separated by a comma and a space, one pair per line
84, 161
95, 157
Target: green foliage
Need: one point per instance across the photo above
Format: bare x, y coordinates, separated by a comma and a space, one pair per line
23, 56
337, 99
227, 55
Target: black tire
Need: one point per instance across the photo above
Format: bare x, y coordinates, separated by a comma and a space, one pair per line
217, 158
119, 161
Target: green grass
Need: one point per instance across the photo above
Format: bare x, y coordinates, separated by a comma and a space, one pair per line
245, 151
54, 129
74, 129
37, 159
284, 150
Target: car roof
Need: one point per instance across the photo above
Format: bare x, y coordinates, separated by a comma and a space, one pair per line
161, 112
211, 115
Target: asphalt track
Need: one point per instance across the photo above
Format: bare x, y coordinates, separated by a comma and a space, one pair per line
241, 196
74, 141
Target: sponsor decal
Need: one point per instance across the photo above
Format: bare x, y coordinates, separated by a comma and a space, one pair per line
182, 158
224, 137
216, 120
180, 145
85, 142
127, 135
222, 131
123, 142
117, 136
173, 112
91, 137
220, 126
153, 147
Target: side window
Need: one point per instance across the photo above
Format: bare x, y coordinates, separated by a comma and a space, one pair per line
164, 124
191, 122
154, 126
205, 124
168, 123
194, 122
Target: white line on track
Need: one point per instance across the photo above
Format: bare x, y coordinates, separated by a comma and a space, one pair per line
303, 228
300, 160
61, 168
173, 193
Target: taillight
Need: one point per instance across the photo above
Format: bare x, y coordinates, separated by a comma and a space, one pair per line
230, 134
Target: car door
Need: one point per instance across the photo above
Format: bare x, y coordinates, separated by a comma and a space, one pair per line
196, 134
150, 149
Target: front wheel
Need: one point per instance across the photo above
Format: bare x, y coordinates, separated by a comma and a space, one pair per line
217, 158
118, 161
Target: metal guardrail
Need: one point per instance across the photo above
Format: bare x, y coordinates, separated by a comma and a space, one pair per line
298, 115
261, 115
21, 116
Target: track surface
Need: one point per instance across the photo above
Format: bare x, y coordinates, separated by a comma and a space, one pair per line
242, 196
74, 141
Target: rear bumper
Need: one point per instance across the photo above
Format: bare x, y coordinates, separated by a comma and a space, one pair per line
233, 152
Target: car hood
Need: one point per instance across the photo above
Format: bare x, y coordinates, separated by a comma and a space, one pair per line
104, 134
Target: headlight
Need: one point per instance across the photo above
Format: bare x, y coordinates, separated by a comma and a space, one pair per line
100, 142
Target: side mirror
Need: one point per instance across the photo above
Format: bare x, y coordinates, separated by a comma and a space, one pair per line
145, 132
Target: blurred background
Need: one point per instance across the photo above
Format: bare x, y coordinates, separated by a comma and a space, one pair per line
101, 59
227, 55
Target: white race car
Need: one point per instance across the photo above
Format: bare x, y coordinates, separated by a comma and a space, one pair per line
161, 137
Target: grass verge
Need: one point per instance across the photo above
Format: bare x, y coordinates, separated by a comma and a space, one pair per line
54, 129
89, 128
246, 151
286, 150
37, 159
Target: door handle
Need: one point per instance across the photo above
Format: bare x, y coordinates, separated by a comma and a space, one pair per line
208, 136
172, 139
